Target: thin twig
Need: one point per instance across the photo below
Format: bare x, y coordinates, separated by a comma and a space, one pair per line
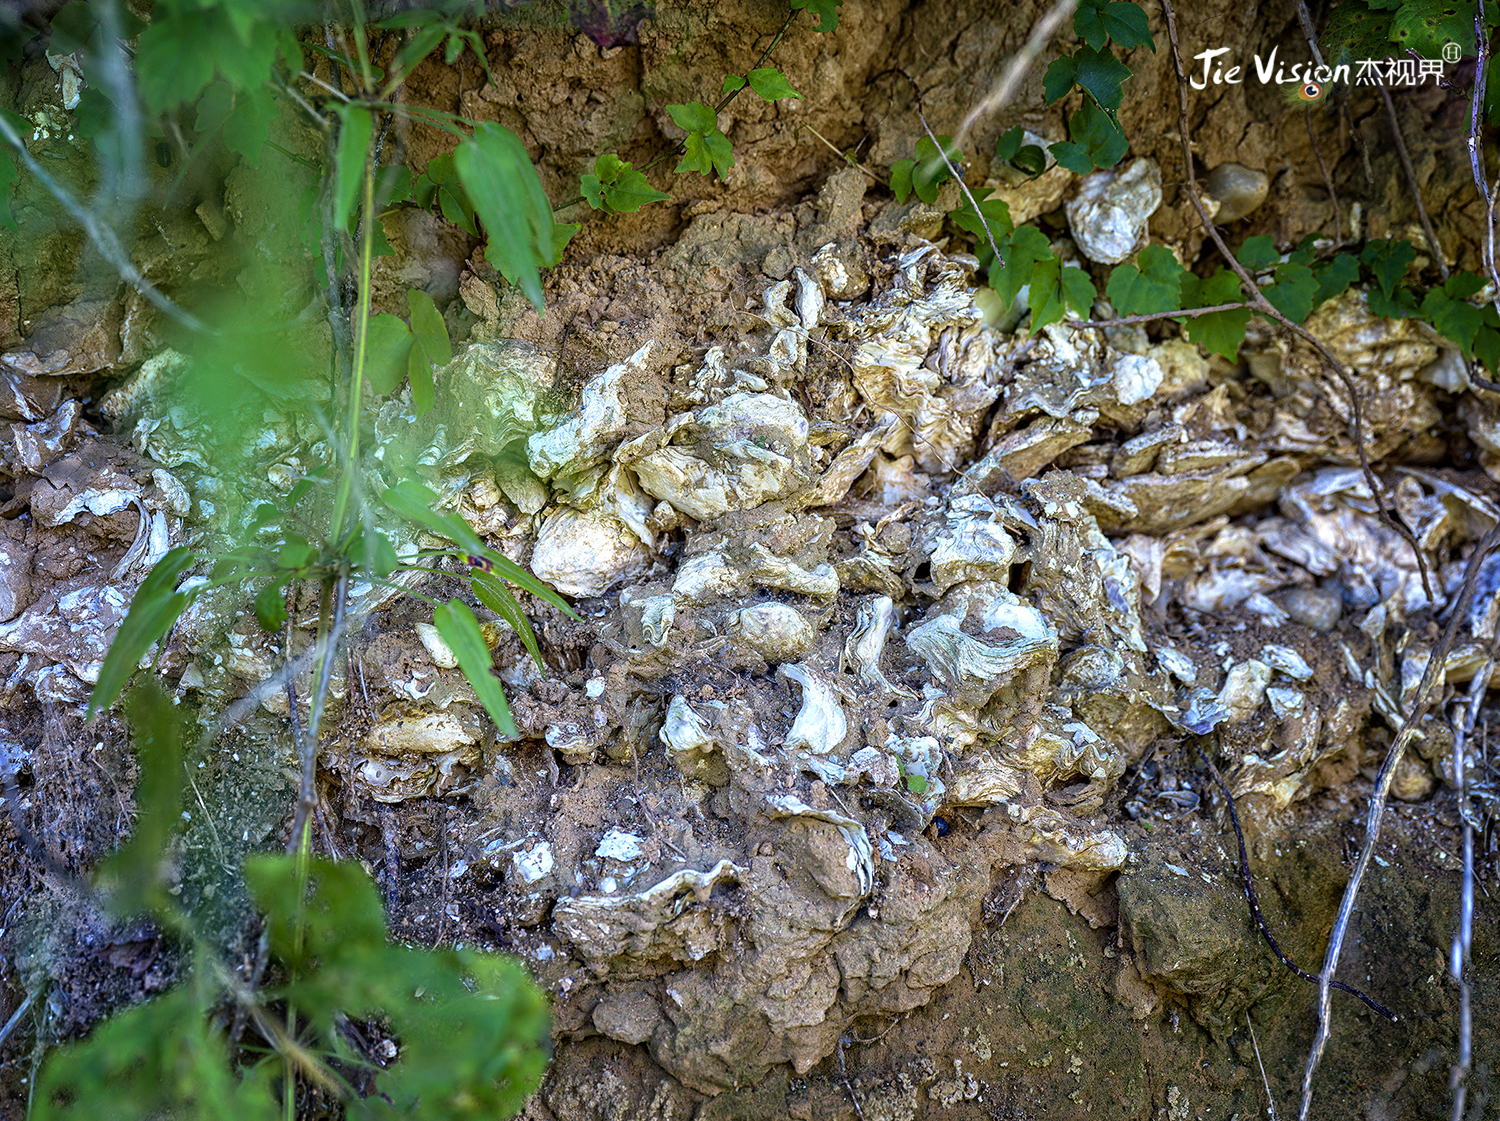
842, 155
1248, 882
1338, 222
1476, 156
1421, 702
1270, 1101
15, 1017
1009, 82
1186, 313
1433, 246
849, 1086
1463, 937
1264, 307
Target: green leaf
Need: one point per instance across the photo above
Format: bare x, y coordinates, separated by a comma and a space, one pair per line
771, 84
1009, 143
917, 784
1055, 290
331, 915
1334, 276
827, 12
1400, 304
377, 554
491, 592
901, 179
1101, 74
1487, 348
1098, 21
694, 117
1295, 292
1223, 331
171, 63
1152, 284
155, 607
1450, 313
419, 377
732, 82
460, 630
158, 1059
706, 153
454, 205
561, 236
994, 212
508, 197
1388, 261
387, 345
249, 127
349, 163
1258, 253
616, 187
1020, 251
413, 500
427, 324
270, 608
133, 875
1098, 141
1425, 26
295, 554
1059, 79
931, 170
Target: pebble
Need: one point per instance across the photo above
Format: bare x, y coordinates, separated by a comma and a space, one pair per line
1317, 609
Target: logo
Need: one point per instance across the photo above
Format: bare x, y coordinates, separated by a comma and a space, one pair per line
1451, 52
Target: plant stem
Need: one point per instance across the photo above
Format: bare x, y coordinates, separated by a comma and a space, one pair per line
361, 346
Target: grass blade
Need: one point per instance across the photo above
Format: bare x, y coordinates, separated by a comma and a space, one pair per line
460, 630
154, 609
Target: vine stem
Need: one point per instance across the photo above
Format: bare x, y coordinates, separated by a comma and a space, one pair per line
1187, 313
361, 349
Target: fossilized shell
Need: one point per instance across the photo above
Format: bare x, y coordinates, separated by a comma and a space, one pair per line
776, 631
972, 668
568, 451
820, 725
972, 546
1108, 216
643, 925
586, 552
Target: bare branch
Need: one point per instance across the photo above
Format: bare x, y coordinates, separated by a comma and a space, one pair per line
1188, 313
1433, 246
1010, 79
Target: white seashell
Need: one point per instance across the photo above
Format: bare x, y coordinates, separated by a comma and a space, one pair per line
1178, 664
775, 631
585, 553
425, 733
658, 613
438, 650
1287, 660
972, 546
1285, 702
1244, 690
820, 725
976, 669
603, 927
619, 845
860, 860
533, 865
1136, 378
683, 731
1109, 215
706, 576
866, 644
585, 439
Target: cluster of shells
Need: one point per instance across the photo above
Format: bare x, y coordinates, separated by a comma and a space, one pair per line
969, 591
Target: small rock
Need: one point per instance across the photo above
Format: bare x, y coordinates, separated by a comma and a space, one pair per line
1317, 609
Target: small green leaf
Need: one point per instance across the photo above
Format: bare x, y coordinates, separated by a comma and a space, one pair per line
1450, 313
732, 82
705, 153
1009, 143
296, 554
1021, 251
353, 154
1335, 275
155, 607
1400, 304
1059, 79
427, 324
1258, 253
419, 377
1055, 290
270, 608
1487, 348
901, 179
1098, 21
1295, 292
387, 345
1099, 138
994, 212
931, 170
1101, 74
827, 12
508, 197
1388, 261
171, 64
493, 593
453, 204
771, 84
917, 784
1222, 331
460, 630
1152, 284
694, 117
617, 187
377, 554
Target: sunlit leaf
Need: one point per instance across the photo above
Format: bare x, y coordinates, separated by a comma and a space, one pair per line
502, 183
827, 12
771, 84
491, 592
353, 155
460, 630
154, 608
387, 344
